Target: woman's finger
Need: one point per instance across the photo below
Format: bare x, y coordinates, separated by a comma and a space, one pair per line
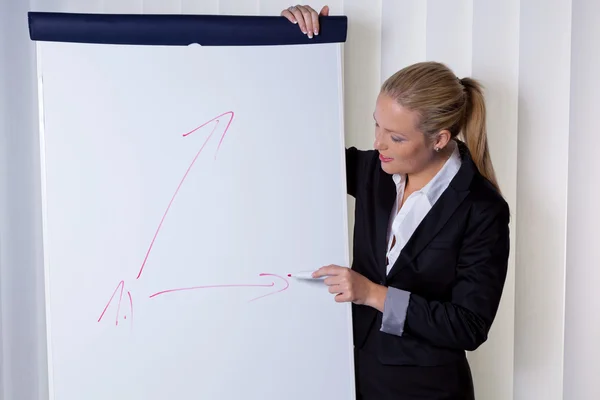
315, 22
288, 14
342, 298
299, 16
307, 13
333, 289
330, 270
331, 280
324, 12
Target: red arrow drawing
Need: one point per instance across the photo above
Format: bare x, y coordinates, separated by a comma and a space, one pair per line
120, 289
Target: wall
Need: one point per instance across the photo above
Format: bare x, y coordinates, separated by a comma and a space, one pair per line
544, 84
582, 303
538, 63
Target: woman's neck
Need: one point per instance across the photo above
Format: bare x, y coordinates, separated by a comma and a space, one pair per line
418, 180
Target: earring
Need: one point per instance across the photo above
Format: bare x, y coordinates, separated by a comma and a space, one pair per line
437, 149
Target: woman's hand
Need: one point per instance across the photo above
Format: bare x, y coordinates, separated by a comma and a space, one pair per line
349, 285
306, 18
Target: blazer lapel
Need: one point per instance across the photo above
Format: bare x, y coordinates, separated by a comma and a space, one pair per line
429, 227
386, 195
439, 214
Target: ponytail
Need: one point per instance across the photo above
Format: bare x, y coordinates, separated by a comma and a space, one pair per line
445, 102
474, 130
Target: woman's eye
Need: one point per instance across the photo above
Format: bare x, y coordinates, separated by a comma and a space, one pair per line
396, 139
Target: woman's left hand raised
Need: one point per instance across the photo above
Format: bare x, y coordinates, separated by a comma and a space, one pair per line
349, 285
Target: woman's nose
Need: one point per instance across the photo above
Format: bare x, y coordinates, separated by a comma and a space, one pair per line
378, 144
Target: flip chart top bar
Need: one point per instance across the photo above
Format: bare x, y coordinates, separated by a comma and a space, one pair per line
179, 30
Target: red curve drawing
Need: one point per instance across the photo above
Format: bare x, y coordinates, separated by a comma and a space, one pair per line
287, 285
237, 285
121, 286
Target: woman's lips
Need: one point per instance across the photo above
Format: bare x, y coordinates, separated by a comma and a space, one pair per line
385, 159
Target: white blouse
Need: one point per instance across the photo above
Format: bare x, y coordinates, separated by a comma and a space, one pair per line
404, 222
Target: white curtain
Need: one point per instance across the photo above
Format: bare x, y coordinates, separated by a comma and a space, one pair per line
538, 63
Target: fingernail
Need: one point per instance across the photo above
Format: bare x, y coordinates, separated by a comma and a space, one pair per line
310, 35
294, 21
316, 32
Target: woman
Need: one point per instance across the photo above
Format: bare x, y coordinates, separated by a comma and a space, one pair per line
431, 239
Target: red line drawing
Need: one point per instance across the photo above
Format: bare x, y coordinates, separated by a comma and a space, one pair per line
237, 285
121, 286
130, 306
216, 119
208, 287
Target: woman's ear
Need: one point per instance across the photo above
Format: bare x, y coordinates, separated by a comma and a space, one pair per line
442, 139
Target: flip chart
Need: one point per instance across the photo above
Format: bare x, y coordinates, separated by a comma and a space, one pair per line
190, 163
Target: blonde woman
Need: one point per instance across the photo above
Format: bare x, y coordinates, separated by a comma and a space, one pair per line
431, 235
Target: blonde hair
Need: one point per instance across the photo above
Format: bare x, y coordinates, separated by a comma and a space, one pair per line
443, 101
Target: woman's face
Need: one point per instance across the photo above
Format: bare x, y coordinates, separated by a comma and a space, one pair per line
402, 148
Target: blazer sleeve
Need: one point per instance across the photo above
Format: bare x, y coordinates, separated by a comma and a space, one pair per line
355, 169
464, 321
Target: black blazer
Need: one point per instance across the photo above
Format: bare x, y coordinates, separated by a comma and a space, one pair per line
454, 265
